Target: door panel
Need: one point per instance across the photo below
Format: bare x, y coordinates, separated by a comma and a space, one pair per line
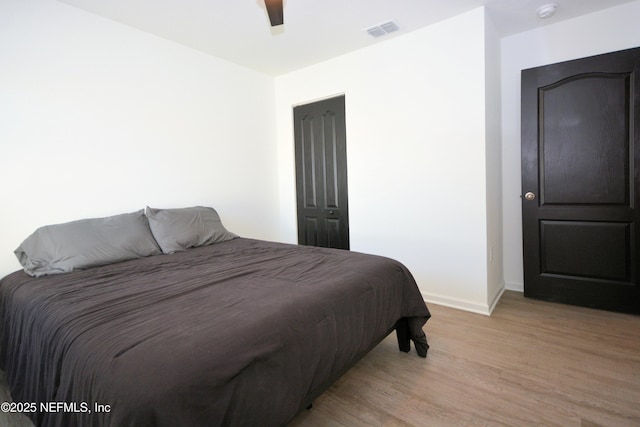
576, 248
307, 164
321, 174
311, 231
585, 150
581, 180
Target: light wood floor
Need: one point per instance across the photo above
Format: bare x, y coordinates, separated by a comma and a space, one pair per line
530, 363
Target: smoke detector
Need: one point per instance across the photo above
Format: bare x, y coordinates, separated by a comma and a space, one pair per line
547, 10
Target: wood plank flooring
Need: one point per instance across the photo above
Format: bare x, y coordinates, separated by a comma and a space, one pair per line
531, 363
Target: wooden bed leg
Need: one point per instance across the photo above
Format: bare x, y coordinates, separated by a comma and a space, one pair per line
402, 333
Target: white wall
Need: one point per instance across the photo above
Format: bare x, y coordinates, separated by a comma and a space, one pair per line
97, 118
495, 278
601, 32
415, 113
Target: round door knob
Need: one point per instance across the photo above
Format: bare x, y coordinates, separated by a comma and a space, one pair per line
331, 212
530, 196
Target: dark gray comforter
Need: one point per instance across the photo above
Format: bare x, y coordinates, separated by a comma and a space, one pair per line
244, 332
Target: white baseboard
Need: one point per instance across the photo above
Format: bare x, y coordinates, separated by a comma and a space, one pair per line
465, 305
460, 304
496, 299
513, 286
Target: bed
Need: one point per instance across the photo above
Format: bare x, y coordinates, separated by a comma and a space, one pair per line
238, 332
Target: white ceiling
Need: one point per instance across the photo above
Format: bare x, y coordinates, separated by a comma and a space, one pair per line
313, 30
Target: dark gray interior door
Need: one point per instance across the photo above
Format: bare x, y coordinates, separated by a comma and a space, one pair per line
581, 181
321, 173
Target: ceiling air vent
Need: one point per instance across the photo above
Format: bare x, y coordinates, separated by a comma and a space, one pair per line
382, 29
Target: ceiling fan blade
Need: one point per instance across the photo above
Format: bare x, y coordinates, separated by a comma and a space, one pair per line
274, 9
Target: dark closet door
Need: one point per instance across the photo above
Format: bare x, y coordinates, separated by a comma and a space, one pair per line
321, 174
581, 181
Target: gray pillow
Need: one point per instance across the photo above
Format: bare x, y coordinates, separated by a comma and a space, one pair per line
180, 229
87, 243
